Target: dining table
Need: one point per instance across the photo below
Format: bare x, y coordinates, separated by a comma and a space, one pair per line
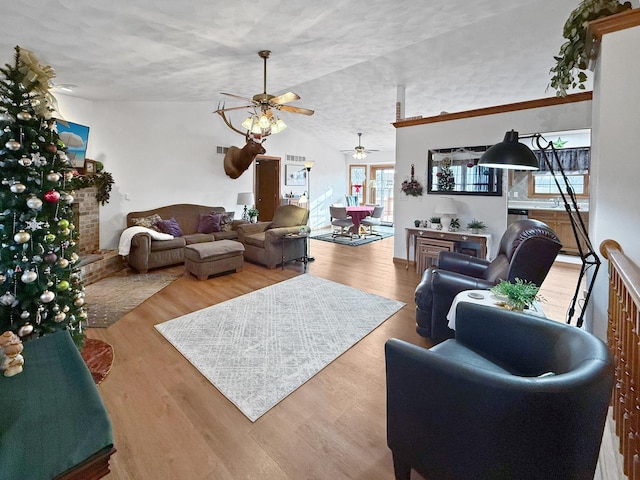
357, 214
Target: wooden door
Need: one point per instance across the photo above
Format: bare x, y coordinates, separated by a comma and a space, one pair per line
267, 186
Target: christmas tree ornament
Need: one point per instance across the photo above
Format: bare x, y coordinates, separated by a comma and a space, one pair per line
83, 314
29, 276
60, 317
53, 177
49, 238
74, 257
24, 315
25, 161
34, 203
65, 232
63, 262
68, 176
12, 145
6, 117
17, 187
22, 237
3, 278
55, 308
46, 296
7, 299
51, 196
62, 286
68, 199
51, 148
50, 257
78, 302
24, 116
64, 223
25, 329
5, 181
66, 309
62, 156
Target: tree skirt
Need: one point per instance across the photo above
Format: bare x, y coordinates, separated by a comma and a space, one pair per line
98, 356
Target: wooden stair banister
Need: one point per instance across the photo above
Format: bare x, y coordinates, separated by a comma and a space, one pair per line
623, 339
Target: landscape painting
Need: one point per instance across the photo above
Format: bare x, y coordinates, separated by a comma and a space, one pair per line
75, 138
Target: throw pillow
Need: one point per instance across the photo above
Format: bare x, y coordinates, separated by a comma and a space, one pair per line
227, 221
210, 223
170, 226
147, 222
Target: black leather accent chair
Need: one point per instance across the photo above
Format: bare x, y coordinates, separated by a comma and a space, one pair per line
527, 251
513, 396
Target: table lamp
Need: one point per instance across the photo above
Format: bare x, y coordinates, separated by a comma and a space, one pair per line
245, 198
446, 209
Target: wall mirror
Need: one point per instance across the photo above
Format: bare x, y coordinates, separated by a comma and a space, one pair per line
455, 171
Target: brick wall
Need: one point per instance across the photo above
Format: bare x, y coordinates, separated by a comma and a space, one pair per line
89, 220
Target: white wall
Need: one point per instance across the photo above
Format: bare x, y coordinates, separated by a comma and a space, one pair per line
615, 177
413, 143
165, 153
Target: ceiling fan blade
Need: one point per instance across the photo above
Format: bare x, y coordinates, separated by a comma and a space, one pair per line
289, 108
285, 98
227, 109
237, 96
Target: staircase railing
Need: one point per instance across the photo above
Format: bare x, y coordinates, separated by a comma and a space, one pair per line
623, 339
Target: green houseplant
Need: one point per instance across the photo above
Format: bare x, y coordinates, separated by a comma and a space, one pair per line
454, 224
435, 222
476, 225
573, 58
253, 214
518, 295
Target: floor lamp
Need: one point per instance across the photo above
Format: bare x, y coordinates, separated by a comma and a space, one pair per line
512, 154
308, 164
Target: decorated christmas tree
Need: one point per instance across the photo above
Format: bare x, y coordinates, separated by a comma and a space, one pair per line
40, 286
446, 179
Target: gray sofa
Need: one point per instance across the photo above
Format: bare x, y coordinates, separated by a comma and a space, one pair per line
146, 253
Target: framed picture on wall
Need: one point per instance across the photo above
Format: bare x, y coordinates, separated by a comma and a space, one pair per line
75, 138
89, 167
295, 175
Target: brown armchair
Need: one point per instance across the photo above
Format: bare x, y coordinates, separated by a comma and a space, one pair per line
528, 248
262, 241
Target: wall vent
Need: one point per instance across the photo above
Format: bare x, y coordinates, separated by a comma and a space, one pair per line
222, 149
296, 158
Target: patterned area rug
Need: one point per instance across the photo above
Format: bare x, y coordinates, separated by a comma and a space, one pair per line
355, 242
258, 348
111, 298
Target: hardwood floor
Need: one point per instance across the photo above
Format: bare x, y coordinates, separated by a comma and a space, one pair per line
171, 423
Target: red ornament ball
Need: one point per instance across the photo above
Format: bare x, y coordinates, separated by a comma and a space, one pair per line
52, 196
51, 148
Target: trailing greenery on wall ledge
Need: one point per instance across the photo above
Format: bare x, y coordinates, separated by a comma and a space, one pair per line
573, 59
101, 179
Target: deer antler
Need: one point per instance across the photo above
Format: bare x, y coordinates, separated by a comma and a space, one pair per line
220, 111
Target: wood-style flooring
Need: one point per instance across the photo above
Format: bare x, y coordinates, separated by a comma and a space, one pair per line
170, 423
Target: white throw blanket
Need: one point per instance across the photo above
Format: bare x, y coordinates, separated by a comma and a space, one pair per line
127, 235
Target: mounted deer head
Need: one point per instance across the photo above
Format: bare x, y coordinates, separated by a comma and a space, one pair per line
237, 160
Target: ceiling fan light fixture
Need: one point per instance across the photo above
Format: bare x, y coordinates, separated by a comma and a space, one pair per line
248, 123
359, 155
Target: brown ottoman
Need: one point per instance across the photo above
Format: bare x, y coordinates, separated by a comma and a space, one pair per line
209, 258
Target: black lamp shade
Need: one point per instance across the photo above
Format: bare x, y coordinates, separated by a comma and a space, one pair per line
510, 153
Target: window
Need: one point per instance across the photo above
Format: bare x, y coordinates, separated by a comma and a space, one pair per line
544, 185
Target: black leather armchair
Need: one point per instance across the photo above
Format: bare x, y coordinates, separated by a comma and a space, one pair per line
527, 251
513, 396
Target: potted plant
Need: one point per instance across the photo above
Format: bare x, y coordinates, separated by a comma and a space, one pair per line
518, 295
573, 58
416, 223
435, 223
454, 225
476, 226
253, 214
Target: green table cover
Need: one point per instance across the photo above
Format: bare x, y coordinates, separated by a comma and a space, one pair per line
51, 415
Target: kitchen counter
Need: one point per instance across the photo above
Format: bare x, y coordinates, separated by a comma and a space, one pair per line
543, 205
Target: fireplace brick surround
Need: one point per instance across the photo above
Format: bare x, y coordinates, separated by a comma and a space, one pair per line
95, 264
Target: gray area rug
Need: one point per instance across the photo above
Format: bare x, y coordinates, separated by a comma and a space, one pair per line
259, 347
110, 299
384, 232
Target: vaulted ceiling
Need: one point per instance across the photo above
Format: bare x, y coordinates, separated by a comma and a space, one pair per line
345, 58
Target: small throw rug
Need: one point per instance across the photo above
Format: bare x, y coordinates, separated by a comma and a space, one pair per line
259, 347
110, 299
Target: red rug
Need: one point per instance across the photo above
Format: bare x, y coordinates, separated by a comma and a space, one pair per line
98, 356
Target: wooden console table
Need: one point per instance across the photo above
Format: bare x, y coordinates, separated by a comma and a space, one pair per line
482, 239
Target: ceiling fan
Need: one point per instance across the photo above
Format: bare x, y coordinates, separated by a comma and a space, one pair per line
360, 152
263, 121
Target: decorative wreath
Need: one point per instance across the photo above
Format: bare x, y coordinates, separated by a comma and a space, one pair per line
412, 187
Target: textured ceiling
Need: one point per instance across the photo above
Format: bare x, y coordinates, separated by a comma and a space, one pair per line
344, 58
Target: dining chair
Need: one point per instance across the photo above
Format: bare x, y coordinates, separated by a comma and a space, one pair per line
352, 200
373, 220
340, 218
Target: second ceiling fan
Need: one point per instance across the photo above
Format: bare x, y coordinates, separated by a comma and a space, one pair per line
359, 152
